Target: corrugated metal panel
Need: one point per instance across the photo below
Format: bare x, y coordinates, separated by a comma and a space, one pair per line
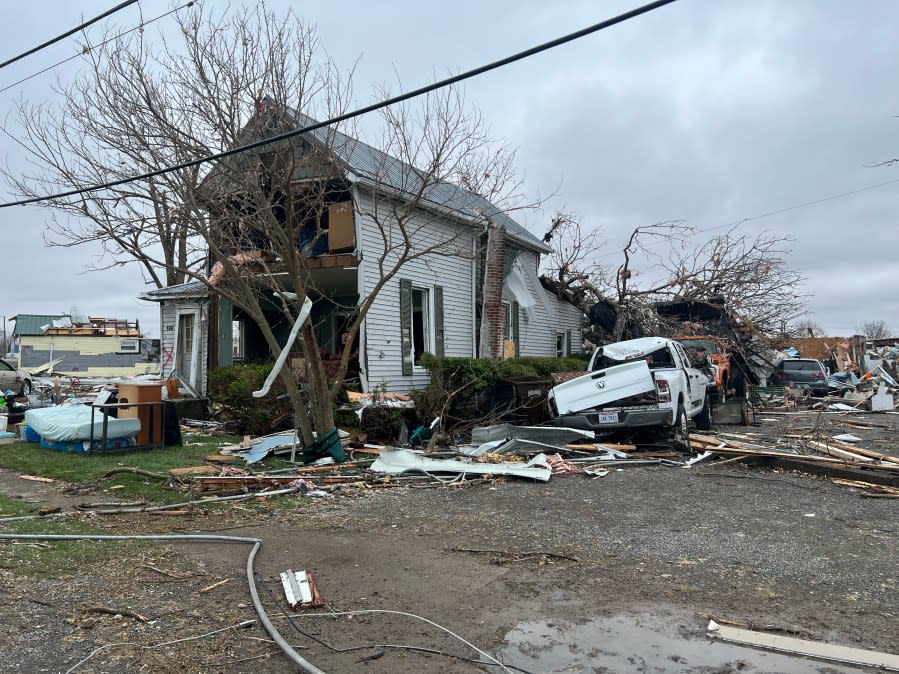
30, 324
193, 289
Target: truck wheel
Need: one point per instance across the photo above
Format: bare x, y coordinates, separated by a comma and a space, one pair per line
703, 420
680, 434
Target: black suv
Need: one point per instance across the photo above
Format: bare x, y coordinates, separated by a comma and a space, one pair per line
803, 372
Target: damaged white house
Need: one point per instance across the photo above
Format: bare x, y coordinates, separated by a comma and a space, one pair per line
489, 303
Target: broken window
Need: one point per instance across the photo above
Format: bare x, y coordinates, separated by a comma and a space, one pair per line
658, 359
507, 321
238, 349
420, 323
561, 344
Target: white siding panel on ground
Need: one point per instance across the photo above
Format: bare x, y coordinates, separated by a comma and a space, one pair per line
453, 270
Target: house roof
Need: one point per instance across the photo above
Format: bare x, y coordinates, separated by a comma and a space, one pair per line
182, 290
377, 169
31, 324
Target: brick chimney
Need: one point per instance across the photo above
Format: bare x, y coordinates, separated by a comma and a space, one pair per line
492, 317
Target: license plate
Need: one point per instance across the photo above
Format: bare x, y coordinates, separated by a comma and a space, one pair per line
607, 418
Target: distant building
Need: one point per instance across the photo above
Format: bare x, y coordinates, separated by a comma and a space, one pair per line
85, 347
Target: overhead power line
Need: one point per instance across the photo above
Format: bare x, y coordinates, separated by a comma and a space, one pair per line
815, 202
108, 12
468, 74
91, 47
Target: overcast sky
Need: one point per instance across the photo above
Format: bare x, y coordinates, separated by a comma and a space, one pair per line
704, 111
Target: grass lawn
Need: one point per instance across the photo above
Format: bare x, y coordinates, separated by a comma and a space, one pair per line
32, 459
39, 558
59, 558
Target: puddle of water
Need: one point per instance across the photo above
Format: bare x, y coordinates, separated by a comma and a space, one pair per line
643, 642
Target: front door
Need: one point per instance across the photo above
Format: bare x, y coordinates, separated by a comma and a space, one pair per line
184, 351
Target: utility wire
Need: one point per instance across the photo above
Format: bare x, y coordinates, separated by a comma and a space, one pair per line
595, 28
108, 12
809, 203
88, 48
768, 214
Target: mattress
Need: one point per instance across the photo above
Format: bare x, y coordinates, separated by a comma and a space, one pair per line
67, 423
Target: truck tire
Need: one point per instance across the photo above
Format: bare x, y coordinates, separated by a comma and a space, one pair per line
680, 433
703, 420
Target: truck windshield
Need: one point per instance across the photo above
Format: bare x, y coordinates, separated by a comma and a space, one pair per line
658, 359
692, 345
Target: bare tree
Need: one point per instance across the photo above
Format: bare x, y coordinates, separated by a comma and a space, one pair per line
875, 329
256, 215
750, 274
807, 328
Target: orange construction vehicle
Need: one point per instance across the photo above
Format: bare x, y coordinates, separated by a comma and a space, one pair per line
711, 355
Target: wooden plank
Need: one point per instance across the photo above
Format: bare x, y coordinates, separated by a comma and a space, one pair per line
839, 453
804, 647
770, 453
859, 484
837, 469
596, 446
224, 458
331, 261
194, 470
870, 453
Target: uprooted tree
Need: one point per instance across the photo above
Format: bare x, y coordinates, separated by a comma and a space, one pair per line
661, 262
245, 226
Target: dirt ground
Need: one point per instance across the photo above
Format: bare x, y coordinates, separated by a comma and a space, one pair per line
666, 546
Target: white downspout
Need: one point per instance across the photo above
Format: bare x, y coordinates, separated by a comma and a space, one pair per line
282, 357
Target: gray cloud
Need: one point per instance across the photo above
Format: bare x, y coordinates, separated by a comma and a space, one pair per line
704, 111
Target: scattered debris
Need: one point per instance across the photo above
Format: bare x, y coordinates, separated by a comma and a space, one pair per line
300, 589
504, 556
210, 588
395, 461
123, 612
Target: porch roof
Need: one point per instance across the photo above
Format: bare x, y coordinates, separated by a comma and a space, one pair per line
182, 290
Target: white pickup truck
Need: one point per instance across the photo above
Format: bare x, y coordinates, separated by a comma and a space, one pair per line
641, 383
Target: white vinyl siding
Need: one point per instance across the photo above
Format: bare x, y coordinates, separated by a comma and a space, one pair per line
168, 325
549, 316
454, 273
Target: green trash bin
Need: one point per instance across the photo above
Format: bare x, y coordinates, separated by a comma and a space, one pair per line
325, 445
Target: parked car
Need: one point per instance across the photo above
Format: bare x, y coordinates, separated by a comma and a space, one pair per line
803, 372
14, 380
640, 383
